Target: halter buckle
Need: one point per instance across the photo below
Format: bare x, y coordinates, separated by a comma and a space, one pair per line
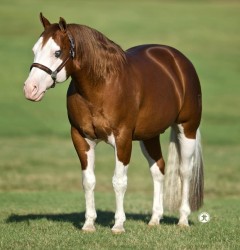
54, 75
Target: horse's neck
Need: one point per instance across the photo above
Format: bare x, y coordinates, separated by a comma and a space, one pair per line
88, 89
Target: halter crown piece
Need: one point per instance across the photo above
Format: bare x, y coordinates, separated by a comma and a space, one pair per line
54, 73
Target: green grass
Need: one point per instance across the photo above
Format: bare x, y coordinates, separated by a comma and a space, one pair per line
41, 197
53, 220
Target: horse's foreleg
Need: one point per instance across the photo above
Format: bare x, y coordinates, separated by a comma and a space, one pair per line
86, 152
119, 181
123, 149
89, 181
152, 151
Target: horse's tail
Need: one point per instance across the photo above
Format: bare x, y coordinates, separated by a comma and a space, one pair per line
172, 185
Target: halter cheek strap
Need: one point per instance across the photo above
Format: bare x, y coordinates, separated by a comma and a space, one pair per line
54, 73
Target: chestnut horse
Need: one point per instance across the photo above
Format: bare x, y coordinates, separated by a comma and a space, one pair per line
119, 96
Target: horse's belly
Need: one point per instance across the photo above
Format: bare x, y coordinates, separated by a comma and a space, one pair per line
150, 128
153, 119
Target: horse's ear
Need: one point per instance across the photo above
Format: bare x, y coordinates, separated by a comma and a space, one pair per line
44, 21
62, 24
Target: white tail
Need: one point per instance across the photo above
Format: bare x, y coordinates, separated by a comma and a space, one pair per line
172, 185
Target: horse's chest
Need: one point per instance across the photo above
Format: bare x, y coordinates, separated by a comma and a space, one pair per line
88, 119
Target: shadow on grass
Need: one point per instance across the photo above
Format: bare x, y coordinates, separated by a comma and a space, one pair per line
105, 218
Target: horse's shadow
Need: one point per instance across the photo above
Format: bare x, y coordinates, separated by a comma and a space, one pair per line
105, 218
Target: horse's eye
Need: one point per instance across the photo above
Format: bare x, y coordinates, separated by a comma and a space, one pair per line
58, 53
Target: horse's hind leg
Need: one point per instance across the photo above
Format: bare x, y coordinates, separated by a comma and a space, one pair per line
187, 149
152, 151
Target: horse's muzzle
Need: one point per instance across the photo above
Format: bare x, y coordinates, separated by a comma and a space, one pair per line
32, 92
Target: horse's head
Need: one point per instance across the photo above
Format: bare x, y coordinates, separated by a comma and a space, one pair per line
53, 55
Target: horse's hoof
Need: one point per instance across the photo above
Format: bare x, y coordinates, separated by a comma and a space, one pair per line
183, 225
88, 228
118, 230
153, 223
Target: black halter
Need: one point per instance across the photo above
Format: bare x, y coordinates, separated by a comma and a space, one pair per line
54, 73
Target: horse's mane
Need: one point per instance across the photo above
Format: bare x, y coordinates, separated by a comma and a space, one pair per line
100, 56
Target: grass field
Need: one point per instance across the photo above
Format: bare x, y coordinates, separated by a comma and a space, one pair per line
41, 198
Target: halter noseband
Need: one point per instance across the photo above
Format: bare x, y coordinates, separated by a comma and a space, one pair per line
54, 73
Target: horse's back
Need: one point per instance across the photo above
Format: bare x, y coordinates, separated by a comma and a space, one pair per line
168, 87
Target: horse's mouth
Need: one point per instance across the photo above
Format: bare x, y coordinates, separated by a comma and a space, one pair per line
35, 98
40, 97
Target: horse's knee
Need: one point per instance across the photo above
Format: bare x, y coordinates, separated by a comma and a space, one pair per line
89, 181
119, 183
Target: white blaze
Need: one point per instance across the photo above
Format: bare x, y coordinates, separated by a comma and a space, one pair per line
39, 81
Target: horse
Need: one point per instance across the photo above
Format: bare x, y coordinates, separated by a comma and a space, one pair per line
118, 97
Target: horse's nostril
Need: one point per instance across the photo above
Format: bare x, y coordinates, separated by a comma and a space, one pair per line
34, 89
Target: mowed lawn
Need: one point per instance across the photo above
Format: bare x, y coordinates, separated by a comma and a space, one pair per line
41, 197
